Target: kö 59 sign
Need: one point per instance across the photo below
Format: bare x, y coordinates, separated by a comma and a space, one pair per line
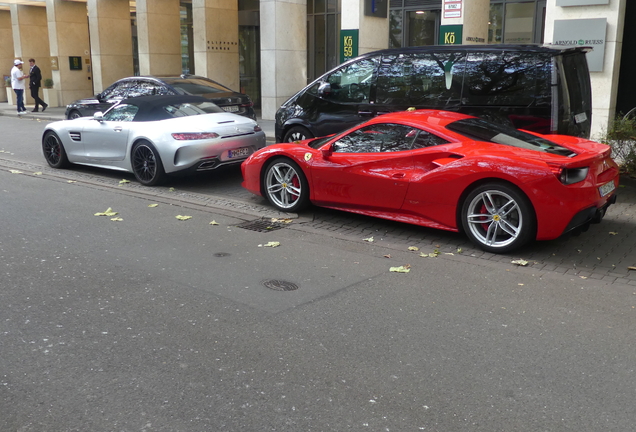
348, 44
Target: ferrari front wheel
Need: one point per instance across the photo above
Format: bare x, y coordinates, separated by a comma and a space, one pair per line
285, 185
498, 218
146, 164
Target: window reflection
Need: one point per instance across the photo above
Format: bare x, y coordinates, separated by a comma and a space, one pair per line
121, 112
380, 138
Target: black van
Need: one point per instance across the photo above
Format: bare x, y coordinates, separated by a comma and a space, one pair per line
538, 88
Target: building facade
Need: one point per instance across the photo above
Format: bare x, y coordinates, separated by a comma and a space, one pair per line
270, 49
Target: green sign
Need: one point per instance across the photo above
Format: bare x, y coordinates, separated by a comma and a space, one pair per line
450, 34
348, 44
75, 63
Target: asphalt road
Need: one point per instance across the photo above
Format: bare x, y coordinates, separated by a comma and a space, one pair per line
155, 324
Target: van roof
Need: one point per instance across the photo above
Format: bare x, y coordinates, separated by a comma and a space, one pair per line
549, 49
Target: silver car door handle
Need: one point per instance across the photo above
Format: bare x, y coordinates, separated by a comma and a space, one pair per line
117, 128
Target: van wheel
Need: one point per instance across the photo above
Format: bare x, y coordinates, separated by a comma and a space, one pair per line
297, 133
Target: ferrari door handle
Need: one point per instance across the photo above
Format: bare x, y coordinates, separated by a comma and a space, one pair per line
117, 128
398, 175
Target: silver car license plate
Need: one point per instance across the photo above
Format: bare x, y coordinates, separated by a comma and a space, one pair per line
242, 152
606, 188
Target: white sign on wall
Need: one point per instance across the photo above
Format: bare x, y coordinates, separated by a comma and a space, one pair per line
583, 32
452, 8
580, 2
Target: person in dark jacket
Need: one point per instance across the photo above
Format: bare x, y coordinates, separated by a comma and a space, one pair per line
35, 82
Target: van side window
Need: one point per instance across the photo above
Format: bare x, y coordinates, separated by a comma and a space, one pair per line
422, 80
377, 138
353, 82
504, 78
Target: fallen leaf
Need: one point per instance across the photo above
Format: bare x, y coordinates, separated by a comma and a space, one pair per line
387, 256
108, 212
171, 189
152, 205
124, 181
282, 220
583, 277
37, 173
449, 253
71, 181
183, 218
401, 269
116, 219
272, 244
413, 248
214, 223
15, 172
459, 250
368, 239
520, 284
428, 255
613, 232
631, 268
411, 109
520, 262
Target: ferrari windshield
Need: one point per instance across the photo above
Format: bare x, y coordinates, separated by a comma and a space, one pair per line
482, 130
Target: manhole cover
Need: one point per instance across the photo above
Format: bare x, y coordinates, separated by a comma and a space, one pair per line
221, 254
261, 225
280, 285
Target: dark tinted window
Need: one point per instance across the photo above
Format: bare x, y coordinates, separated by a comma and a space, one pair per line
376, 139
506, 78
117, 91
353, 82
190, 109
147, 88
575, 95
197, 86
482, 130
424, 80
426, 139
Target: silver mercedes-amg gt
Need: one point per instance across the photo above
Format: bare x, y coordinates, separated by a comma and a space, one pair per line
153, 136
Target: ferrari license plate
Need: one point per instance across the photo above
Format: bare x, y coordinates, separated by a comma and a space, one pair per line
242, 152
606, 188
230, 108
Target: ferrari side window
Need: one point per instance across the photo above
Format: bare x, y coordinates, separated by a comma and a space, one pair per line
377, 139
426, 139
121, 113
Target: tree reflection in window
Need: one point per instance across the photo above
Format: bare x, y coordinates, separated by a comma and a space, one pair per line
377, 138
121, 113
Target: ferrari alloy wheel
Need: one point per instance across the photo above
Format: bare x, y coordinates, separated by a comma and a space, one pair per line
53, 150
297, 133
498, 218
146, 164
286, 186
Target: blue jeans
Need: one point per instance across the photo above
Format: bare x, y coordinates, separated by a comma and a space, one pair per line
19, 96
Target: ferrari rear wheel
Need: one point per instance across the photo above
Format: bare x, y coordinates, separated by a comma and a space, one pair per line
146, 164
53, 150
286, 186
498, 218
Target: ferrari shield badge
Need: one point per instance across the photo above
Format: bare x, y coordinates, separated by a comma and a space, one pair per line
307, 157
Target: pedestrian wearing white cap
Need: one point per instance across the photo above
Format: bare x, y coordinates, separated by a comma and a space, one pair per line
18, 84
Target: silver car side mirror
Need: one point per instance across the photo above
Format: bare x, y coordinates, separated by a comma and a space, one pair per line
99, 116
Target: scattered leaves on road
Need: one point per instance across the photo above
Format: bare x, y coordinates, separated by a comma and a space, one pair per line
37, 173
124, 181
152, 205
183, 218
116, 219
171, 189
520, 262
413, 248
282, 220
214, 223
270, 244
108, 212
15, 171
613, 233
368, 239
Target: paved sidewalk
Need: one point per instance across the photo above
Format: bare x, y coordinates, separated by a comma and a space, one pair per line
57, 113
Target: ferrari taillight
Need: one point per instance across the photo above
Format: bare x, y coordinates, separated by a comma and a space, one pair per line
188, 136
569, 175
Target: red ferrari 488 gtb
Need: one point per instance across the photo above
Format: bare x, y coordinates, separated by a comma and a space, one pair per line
501, 186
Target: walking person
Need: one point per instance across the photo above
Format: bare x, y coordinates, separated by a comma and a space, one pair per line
18, 84
35, 82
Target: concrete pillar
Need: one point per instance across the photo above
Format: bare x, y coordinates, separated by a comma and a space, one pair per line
372, 31
283, 52
31, 39
68, 35
6, 50
111, 41
159, 37
605, 82
472, 16
215, 29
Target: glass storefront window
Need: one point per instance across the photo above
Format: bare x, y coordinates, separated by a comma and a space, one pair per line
495, 24
422, 28
519, 23
395, 28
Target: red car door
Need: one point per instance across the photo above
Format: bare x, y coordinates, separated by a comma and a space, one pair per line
367, 168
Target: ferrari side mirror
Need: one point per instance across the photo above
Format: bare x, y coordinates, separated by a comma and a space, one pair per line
327, 151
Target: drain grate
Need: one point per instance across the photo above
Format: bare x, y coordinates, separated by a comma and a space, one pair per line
280, 285
261, 225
